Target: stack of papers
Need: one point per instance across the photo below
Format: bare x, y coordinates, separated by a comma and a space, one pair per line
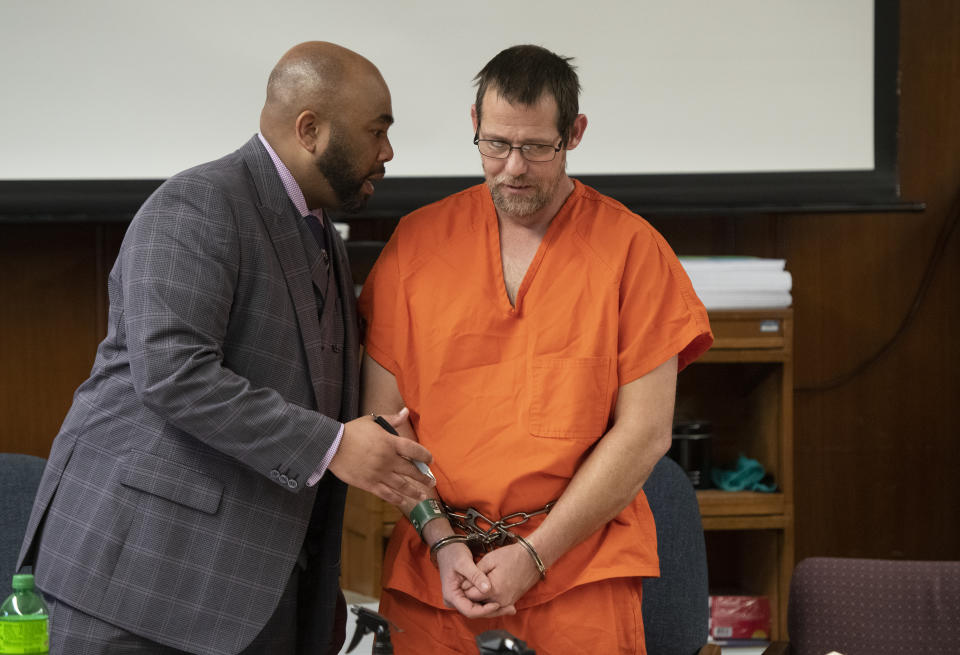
742, 646
739, 282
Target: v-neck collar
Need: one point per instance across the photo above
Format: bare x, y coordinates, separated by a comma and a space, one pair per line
496, 257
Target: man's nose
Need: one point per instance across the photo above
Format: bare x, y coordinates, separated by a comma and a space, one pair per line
386, 151
515, 164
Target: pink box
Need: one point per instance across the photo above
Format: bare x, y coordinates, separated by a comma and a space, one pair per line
739, 617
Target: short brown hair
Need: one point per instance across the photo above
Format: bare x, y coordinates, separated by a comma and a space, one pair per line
523, 73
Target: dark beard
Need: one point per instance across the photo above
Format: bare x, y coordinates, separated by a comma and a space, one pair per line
335, 164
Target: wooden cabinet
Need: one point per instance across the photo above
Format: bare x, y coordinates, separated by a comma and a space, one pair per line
367, 524
744, 386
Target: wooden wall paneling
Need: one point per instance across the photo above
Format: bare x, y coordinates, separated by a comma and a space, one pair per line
362, 550
875, 457
700, 235
53, 299
862, 429
49, 303
931, 166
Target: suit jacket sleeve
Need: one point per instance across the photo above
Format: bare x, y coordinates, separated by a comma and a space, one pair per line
181, 279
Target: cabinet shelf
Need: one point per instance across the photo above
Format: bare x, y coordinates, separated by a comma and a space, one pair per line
744, 387
762, 522
743, 356
716, 503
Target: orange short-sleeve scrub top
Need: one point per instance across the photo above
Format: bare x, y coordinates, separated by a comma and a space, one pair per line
511, 399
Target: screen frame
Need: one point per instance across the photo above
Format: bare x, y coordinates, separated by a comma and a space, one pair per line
875, 189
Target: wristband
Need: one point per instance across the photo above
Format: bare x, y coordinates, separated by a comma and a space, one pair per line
424, 512
446, 541
533, 553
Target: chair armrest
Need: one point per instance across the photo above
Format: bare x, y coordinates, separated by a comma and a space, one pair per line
709, 649
778, 648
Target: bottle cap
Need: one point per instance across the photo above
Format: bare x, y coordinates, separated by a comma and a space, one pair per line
22, 581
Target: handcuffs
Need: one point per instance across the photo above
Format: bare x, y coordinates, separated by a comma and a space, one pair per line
477, 538
483, 534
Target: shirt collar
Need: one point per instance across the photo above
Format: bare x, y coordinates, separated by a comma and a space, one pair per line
289, 183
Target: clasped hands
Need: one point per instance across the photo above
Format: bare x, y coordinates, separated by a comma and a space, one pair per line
374, 460
489, 587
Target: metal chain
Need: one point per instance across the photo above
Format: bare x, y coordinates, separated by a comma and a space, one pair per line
486, 533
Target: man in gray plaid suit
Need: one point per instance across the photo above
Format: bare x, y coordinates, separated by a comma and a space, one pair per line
193, 499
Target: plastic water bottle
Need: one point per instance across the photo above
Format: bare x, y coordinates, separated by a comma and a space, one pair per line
23, 620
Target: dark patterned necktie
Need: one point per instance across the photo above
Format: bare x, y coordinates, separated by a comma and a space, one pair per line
318, 232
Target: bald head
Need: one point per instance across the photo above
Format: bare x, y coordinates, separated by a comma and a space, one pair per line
326, 116
314, 75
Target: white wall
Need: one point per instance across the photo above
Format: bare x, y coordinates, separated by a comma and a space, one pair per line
134, 89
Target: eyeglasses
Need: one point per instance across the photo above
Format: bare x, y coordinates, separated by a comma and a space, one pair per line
495, 149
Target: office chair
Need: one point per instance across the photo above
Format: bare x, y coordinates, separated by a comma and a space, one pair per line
19, 479
872, 607
676, 605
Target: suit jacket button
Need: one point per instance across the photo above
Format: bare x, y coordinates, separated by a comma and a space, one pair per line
274, 474
292, 484
283, 479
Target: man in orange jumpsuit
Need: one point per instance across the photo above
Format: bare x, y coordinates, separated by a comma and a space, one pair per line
534, 328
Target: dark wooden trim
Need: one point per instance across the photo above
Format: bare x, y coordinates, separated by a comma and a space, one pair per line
650, 195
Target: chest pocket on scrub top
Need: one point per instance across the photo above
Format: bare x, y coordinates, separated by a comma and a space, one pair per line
568, 397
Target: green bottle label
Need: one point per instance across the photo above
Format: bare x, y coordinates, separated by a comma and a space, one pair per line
24, 635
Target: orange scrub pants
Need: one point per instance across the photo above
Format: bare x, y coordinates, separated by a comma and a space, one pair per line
598, 617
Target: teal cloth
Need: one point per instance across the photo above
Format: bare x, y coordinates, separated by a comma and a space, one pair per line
748, 476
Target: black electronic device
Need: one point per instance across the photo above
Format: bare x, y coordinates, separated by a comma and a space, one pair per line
370, 621
493, 642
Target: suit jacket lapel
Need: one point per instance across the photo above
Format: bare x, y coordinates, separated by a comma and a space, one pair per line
350, 398
295, 249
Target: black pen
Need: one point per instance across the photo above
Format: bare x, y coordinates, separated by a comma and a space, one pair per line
421, 466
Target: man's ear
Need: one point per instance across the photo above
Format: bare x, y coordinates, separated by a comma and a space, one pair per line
312, 133
473, 117
576, 132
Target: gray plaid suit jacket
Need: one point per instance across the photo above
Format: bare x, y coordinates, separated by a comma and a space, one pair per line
174, 503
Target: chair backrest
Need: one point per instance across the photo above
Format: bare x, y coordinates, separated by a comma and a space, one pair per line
874, 607
19, 479
676, 605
